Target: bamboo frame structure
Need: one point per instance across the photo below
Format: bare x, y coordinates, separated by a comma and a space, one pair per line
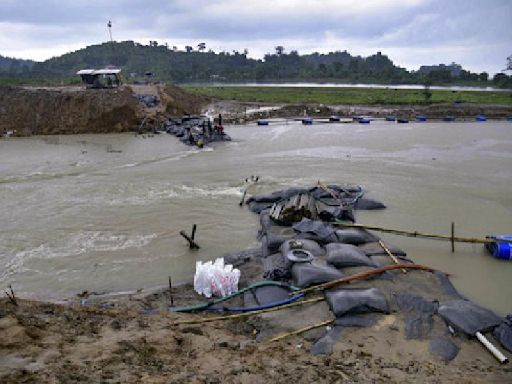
452, 238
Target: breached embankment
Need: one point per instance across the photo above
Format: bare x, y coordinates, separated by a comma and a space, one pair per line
73, 110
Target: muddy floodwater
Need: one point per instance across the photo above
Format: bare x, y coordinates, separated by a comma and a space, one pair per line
103, 212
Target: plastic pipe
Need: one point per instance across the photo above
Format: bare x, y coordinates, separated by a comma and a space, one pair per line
495, 351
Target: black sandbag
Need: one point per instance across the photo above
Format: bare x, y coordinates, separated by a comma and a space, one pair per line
359, 320
345, 301
468, 317
375, 249
271, 198
309, 245
346, 255
259, 207
306, 274
419, 317
447, 285
355, 236
277, 236
315, 230
314, 237
266, 294
368, 204
328, 213
324, 345
242, 257
503, 333
276, 267
443, 348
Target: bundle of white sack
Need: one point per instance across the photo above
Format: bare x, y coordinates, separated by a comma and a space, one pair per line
216, 278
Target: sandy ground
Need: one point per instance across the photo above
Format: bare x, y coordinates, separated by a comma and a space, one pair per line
51, 343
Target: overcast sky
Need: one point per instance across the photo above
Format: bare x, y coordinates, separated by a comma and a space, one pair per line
474, 33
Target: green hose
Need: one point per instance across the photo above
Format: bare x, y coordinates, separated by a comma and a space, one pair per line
200, 306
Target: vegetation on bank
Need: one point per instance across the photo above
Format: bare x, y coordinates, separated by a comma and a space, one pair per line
166, 63
338, 95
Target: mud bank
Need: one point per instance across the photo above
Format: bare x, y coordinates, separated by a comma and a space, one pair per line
240, 112
72, 110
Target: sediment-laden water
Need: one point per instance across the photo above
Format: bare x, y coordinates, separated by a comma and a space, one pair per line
76, 214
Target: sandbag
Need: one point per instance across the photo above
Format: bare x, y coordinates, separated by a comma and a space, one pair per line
345, 301
308, 245
468, 317
503, 333
375, 249
276, 267
419, 314
448, 286
324, 345
315, 230
306, 274
443, 348
346, 255
368, 204
266, 294
275, 237
355, 236
258, 207
242, 257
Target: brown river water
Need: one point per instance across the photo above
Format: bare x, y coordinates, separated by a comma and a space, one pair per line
78, 215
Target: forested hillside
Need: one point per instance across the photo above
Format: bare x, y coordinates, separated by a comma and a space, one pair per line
170, 64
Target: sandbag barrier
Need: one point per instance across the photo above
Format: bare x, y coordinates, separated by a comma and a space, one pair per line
300, 218
195, 131
331, 254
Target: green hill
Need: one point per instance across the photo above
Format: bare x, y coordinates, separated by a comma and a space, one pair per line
193, 66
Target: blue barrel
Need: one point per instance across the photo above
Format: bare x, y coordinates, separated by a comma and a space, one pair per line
334, 119
402, 121
509, 118
421, 118
390, 118
262, 122
364, 120
500, 249
480, 118
307, 121
449, 118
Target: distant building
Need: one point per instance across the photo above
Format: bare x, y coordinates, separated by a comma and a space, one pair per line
454, 69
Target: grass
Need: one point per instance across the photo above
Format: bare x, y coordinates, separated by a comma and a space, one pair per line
334, 96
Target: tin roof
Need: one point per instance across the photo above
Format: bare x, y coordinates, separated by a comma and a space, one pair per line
98, 71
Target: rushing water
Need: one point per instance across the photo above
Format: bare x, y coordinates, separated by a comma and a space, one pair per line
76, 215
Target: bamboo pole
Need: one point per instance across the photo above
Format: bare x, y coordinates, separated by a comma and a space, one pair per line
247, 314
393, 257
299, 331
459, 239
362, 275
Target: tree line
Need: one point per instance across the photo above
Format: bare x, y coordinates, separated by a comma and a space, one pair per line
197, 64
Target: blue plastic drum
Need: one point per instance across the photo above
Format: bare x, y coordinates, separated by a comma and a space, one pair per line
500, 249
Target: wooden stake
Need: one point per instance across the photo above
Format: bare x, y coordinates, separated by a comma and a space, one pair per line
191, 243
299, 331
453, 237
194, 227
393, 257
170, 291
11, 296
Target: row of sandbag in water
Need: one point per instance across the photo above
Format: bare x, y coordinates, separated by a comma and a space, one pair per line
350, 196
357, 247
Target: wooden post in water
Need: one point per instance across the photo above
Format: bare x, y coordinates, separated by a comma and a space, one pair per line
453, 237
170, 291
